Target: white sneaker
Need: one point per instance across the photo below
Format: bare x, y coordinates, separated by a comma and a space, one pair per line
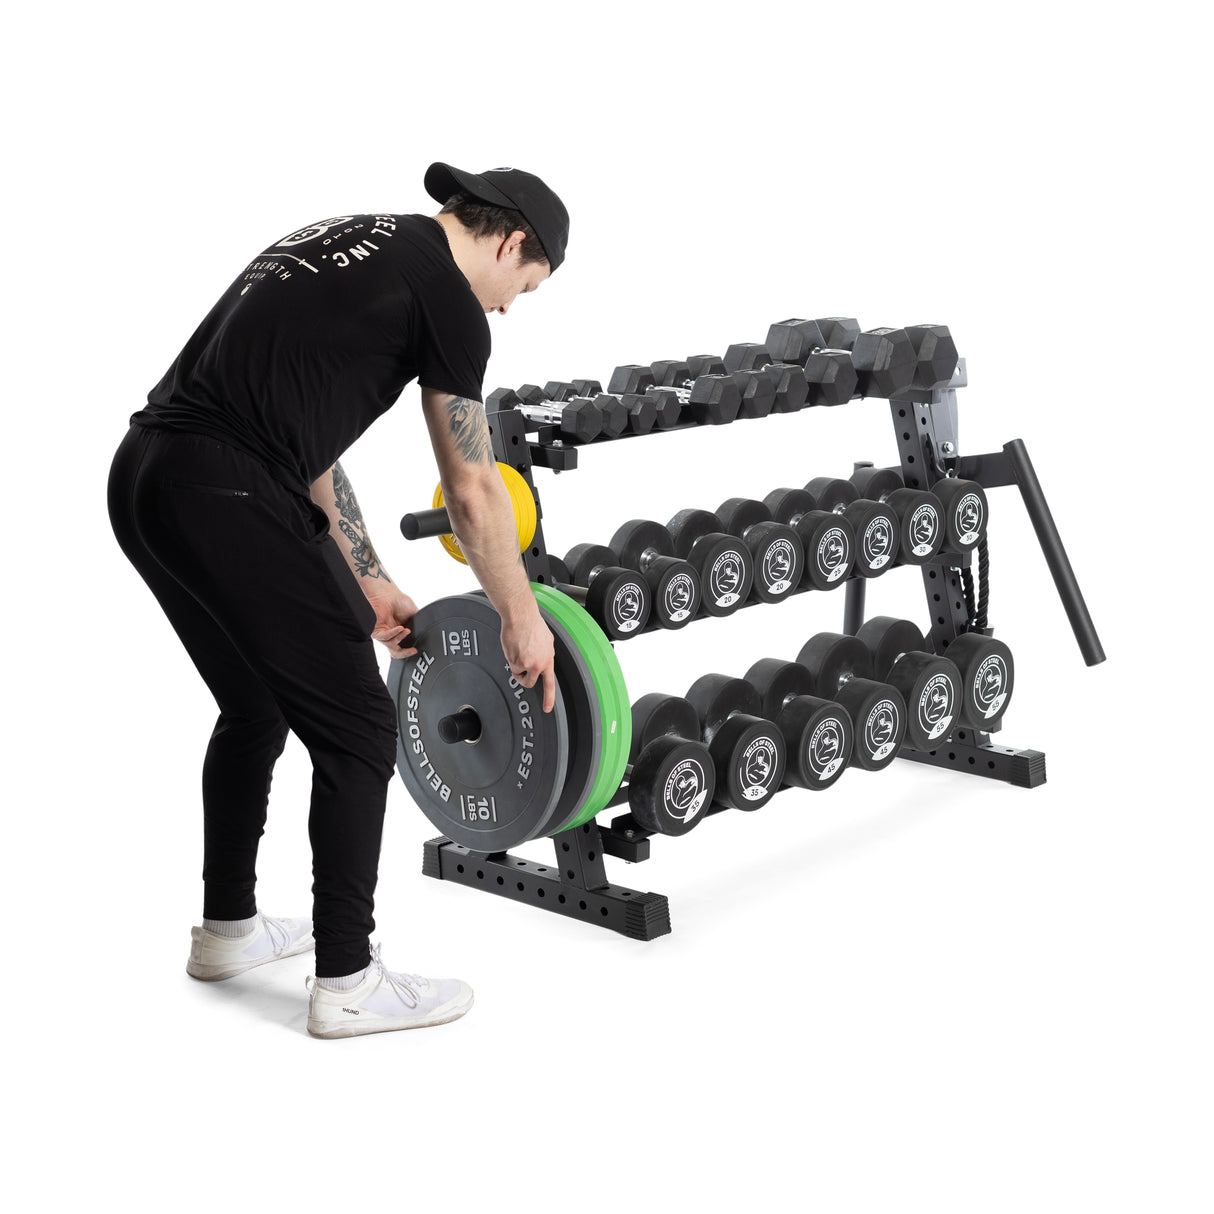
384, 1001
214, 957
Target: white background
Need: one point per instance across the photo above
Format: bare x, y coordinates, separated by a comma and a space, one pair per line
917, 991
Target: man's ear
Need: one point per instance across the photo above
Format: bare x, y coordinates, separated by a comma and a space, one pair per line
506, 248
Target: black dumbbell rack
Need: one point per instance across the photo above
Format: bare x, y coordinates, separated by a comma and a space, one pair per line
925, 423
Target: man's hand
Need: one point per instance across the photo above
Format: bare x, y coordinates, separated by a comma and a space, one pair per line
394, 612
529, 650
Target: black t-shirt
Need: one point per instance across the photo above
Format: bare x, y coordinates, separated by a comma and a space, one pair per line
318, 336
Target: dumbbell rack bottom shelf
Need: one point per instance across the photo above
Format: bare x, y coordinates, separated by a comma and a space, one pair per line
578, 888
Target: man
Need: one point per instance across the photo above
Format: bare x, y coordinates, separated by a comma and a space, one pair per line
228, 498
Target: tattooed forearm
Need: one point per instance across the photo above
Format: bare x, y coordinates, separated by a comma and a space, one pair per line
366, 563
468, 428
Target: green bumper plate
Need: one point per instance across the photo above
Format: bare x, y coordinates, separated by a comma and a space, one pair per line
612, 694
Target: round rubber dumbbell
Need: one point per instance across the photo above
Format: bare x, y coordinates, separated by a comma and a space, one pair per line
841, 667
723, 561
790, 388
818, 733
875, 524
647, 547
987, 678
708, 394
634, 384
965, 512
578, 420
930, 684
748, 753
828, 539
671, 778
919, 514
618, 599
831, 379
778, 555
614, 413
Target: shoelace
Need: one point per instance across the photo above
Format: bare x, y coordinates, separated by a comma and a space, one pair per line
408, 986
278, 932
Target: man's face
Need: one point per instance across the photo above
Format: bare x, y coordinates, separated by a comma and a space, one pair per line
507, 279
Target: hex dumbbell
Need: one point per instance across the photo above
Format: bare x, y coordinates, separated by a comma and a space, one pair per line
634, 384
579, 420
615, 413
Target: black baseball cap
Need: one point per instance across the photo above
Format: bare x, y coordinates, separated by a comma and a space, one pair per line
513, 189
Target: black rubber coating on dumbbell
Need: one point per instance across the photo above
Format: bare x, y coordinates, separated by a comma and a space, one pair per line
832, 378
657, 714
668, 405
988, 676
705, 364
671, 785
935, 355
558, 569
630, 378
920, 515
620, 601
748, 755
715, 400
885, 362
828, 540
878, 713
791, 386
819, 737
671, 372
877, 536
778, 555
639, 536
792, 341
758, 393
930, 685
715, 696
583, 559
832, 658
614, 413
886, 638
965, 512
875, 483
831, 493
723, 562
839, 332
647, 546
777, 682
642, 413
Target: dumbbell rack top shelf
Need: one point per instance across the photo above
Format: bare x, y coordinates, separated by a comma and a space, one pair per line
925, 424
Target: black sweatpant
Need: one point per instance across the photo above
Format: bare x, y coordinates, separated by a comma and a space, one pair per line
275, 623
